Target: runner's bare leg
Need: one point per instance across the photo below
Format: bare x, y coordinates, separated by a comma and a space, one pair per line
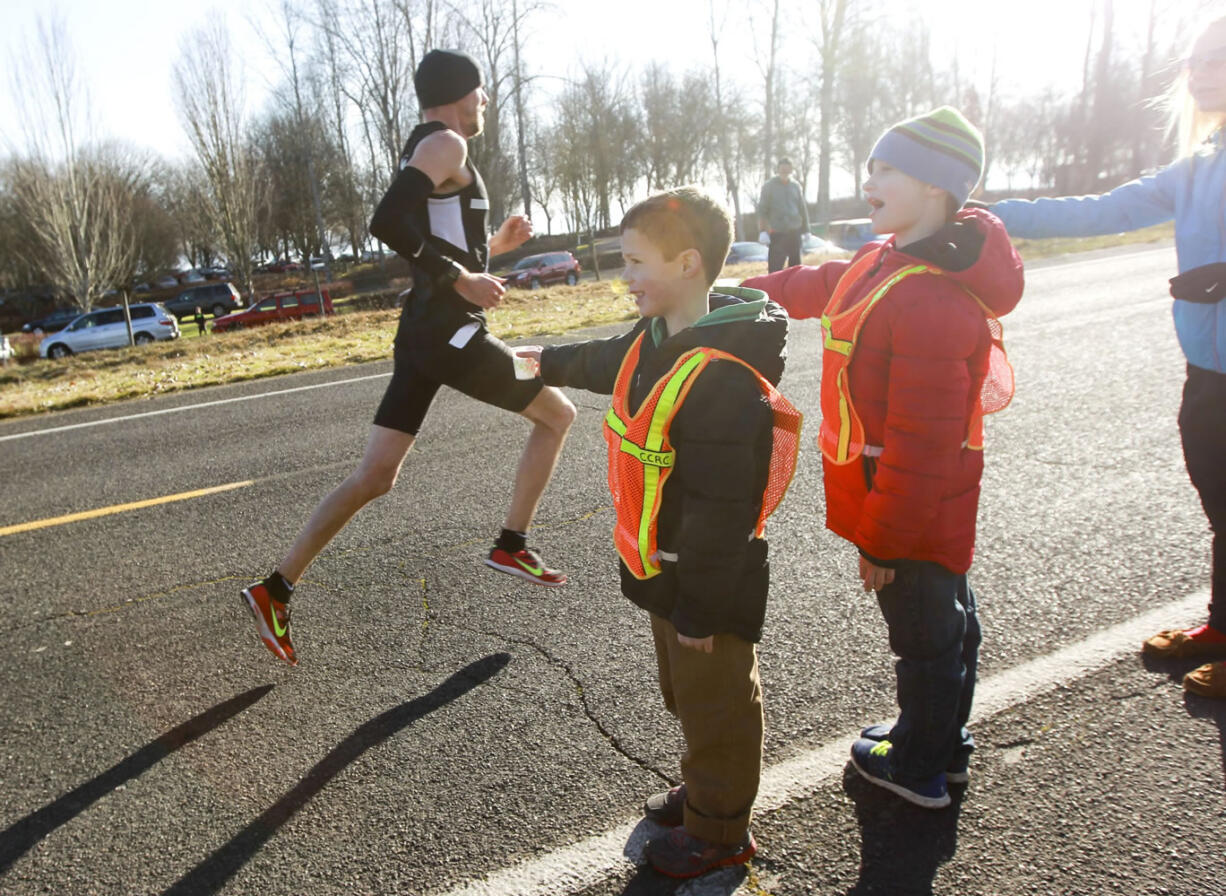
551, 414
386, 450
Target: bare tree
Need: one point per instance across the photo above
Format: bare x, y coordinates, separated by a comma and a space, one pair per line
832, 15
289, 55
376, 44
210, 98
770, 75
727, 146
75, 201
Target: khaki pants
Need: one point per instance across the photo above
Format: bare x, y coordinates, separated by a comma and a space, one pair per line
718, 699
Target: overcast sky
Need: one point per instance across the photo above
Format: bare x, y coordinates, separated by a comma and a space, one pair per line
125, 49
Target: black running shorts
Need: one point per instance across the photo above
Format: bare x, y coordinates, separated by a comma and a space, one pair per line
482, 368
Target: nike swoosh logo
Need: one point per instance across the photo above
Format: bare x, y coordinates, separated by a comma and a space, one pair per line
535, 570
276, 624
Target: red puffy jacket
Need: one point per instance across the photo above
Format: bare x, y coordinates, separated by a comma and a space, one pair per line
915, 377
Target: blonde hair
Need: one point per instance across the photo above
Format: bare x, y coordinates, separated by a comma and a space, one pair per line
1189, 124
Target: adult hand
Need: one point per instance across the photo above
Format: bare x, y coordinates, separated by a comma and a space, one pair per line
529, 351
706, 645
483, 290
874, 577
514, 232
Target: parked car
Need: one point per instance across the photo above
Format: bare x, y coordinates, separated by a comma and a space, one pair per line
280, 266
852, 233
53, 322
535, 271
216, 273
106, 328
745, 252
278, 306
187, 278
809, 244
214, 298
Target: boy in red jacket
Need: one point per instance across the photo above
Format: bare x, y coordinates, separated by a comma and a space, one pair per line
912, 361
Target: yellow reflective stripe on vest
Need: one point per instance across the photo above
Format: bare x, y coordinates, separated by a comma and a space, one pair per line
644, 456
655, 439
653, 459
842, 346
615, 423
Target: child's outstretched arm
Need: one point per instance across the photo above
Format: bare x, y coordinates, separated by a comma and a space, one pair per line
591, 365
804, 291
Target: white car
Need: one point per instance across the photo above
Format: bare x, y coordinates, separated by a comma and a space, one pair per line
105, 328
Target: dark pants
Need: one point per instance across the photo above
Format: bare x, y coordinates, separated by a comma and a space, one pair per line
784, 250
934, 630
1202, 426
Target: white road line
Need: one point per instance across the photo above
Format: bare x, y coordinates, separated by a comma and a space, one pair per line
588, 862
193, 407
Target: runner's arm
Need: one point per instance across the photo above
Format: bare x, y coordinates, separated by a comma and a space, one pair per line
437, 159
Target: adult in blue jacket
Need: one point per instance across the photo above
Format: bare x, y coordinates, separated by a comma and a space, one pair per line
1192, 191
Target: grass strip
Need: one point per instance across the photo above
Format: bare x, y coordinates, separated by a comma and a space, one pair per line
353, 337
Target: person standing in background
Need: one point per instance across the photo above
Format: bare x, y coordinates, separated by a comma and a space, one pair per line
783, 214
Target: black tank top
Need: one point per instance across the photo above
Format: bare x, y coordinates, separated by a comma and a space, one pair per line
457, 222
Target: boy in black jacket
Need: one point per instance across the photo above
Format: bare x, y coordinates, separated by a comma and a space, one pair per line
701, 449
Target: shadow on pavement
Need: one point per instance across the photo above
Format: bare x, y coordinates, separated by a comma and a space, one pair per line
901, 845
1175, 669
17, 840
211, 874
1209, 708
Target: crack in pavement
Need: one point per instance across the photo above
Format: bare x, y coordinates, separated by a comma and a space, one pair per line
565, 667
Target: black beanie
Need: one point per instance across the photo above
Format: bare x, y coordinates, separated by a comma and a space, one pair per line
445, 76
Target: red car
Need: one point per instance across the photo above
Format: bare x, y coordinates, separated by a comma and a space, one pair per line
278, 306
535, 271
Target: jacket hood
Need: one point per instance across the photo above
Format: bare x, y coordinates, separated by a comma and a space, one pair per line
741, 322
975, 251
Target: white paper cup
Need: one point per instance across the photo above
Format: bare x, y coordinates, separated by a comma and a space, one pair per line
526, 368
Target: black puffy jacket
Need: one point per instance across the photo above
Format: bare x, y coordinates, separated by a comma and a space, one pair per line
722, 438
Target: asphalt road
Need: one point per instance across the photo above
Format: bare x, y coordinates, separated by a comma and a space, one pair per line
451, 727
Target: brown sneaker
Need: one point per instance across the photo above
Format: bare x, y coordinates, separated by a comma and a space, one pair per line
1208, 680
667, 808
1192, 643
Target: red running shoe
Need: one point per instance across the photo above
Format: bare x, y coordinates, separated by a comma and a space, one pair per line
271, 621
527, 564
680, 854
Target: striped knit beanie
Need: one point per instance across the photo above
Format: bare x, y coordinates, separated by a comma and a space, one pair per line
941, 148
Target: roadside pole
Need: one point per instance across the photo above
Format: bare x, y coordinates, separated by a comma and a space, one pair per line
127, 319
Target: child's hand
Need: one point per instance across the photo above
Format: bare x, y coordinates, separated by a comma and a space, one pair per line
706, 645
874, 577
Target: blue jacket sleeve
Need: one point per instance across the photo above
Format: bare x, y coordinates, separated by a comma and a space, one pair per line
1139, 203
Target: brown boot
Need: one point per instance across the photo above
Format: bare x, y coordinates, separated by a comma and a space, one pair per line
1208, 680
1186, 644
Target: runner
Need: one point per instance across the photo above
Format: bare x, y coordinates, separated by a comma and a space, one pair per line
434, 215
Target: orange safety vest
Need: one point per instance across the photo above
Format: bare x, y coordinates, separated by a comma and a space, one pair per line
641, 456
841, 434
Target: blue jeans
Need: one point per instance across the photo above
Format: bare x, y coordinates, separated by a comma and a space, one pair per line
934, 630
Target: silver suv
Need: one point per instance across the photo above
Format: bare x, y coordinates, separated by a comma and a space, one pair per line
106, 328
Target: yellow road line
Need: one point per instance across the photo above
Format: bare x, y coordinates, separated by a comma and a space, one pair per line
121, 508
